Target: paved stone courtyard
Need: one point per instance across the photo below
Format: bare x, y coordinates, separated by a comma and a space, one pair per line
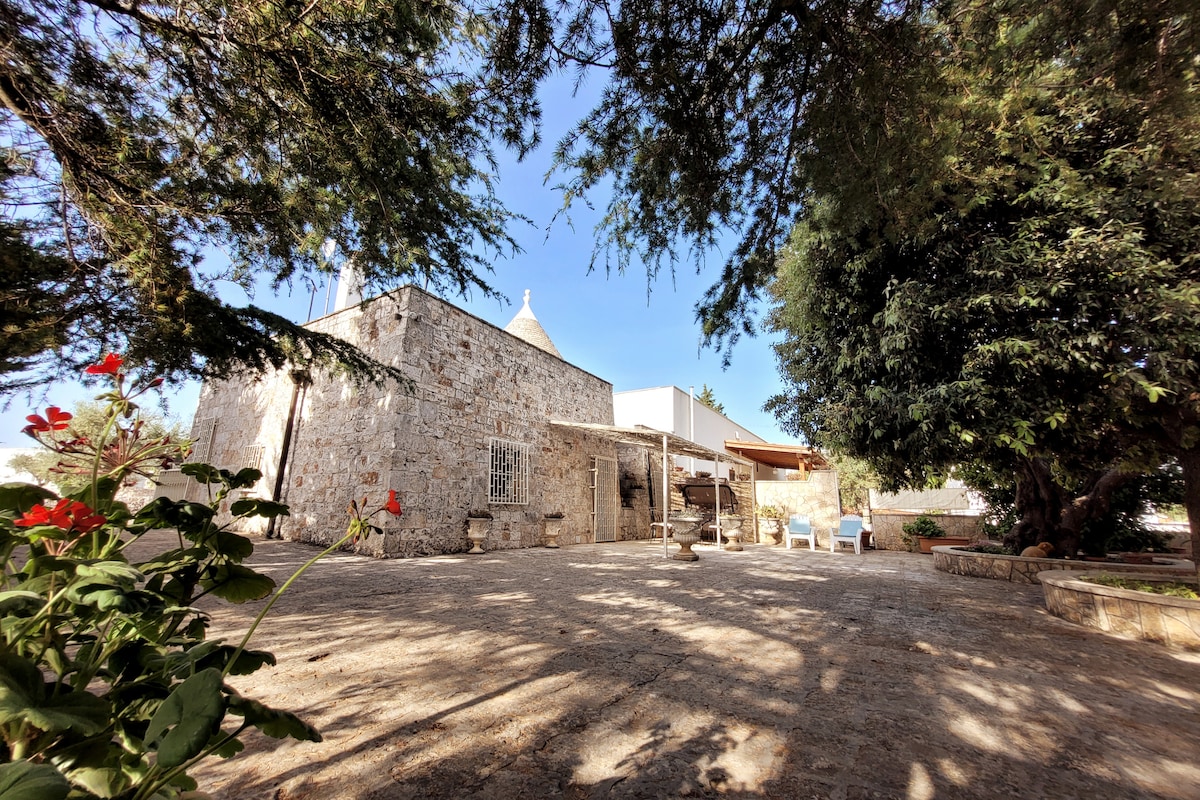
607, 671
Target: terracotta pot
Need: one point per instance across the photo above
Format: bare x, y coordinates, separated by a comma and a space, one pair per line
927, 543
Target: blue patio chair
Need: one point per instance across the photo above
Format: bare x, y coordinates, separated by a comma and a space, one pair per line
799, 528
848, 531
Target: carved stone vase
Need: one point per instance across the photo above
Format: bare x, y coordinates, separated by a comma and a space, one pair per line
553, 529
731, 529
686, 532
477, 531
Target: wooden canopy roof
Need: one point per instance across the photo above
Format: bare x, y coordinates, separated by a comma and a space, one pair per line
781, 456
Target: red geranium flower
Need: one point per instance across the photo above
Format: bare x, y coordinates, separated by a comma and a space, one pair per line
111, 365
55, 420
67, 514
40, 515
392, 505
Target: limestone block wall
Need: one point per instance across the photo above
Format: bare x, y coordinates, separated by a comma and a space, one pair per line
1174, 621
887, 527
815, 498
641, 470
234, 416
427, 440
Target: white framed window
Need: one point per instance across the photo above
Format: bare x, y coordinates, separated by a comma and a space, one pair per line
508, 473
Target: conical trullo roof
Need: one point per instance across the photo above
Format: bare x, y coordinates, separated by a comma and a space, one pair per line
525, 326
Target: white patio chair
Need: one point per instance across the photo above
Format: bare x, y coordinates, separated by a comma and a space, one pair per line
848, 531
799, 528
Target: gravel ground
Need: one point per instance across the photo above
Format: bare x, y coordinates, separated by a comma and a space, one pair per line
608, 671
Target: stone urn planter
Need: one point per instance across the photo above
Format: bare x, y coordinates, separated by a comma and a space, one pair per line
477, 530
686, 532
553, 528
770, 522
769, 526
731, 528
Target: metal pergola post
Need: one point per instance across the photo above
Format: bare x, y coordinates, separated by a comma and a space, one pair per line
666, 496
717, 496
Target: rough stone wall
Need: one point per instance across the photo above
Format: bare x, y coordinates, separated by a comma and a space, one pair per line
635, 493
815, 498
888, 527
428, 441
743, 493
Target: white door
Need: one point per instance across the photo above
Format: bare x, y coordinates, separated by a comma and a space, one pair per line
606, 499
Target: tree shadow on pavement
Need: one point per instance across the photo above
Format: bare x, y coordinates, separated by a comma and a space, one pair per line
608, 671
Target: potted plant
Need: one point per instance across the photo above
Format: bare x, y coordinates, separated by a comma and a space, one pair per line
478, 522
924, 534
770, 521
553, 528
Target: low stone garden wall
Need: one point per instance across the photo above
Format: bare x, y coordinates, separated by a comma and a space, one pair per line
887, 527
1131, 614
957, 561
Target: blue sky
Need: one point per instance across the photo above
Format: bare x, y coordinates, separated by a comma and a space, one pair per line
607, 325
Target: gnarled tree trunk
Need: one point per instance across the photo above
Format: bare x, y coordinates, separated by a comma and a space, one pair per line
1189, 461
1048, 513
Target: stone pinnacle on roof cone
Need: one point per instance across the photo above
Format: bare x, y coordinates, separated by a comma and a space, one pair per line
526, 326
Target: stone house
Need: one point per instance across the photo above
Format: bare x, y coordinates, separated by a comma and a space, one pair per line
472, 431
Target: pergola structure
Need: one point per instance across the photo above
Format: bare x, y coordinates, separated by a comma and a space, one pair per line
670, 444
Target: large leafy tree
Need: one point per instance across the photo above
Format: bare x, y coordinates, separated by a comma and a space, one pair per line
703, 127
1001, 263
141, 140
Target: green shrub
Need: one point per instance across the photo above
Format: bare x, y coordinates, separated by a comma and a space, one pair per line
1168, 588
922, 526
771, 512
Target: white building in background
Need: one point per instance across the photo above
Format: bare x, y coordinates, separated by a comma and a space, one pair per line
670, 409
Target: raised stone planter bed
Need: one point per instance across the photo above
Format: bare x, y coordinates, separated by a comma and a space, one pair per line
1134, 615
1025, 570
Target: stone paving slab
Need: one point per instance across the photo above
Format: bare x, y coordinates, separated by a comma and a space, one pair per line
606, 671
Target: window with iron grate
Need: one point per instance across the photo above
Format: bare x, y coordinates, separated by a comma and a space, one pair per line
202, 438
508, 475
252, 456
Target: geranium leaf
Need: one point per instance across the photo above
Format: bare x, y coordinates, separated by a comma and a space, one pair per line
23, 698
21, 780
253, 507
238, 584
20, 603
203, 473
187, 719
231, 545
245, 478
274, 723
20, 497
